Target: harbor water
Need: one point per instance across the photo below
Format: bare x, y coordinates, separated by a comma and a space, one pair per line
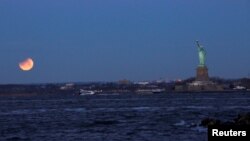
124, 117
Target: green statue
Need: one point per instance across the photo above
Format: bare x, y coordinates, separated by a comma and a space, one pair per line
202, 55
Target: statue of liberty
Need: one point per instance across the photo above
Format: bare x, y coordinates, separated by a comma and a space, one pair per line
202, 55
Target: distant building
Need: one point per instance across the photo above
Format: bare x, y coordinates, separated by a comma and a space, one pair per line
142, 83
67, 86
124, 82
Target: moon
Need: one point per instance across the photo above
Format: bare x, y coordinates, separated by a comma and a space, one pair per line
26, 65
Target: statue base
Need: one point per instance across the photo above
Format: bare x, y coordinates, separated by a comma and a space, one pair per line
202, 82
202, 73
198, 86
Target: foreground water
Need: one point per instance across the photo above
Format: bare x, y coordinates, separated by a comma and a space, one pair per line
158, 117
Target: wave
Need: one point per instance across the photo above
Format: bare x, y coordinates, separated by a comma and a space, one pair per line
75, 109
199, 129
181, 123
119, 109
139, 109
26, 111
236, 107
198, 107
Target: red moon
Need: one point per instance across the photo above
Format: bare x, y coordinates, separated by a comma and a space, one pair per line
26, 64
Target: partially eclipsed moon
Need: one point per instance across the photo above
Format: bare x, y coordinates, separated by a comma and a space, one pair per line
27, 64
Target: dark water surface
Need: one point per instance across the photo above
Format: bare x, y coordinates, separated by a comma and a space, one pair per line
159, 117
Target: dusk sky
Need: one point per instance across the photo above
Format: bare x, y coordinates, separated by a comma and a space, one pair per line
110, 40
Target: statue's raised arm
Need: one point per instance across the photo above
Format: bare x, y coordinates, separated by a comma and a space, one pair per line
198, 45
202, 54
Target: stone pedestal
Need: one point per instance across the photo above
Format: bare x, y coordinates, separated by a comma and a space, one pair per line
202, 74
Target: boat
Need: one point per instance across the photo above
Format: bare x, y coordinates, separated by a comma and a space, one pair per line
156, 91
86, 92
240, 88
